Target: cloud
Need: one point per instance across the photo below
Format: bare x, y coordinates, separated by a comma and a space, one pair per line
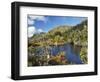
31, 31
41, 18
30, 22
39, 30
32, 18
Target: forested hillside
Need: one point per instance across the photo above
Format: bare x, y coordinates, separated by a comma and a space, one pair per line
62, 34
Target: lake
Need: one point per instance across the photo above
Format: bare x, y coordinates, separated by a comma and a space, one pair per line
71, 52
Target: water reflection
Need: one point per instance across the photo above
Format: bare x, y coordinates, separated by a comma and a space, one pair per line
71, 54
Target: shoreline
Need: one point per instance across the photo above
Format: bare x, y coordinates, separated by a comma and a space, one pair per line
60, 44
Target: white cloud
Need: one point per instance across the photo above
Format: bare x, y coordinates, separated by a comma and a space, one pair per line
30, 22
39, 18
31, 31
39, 30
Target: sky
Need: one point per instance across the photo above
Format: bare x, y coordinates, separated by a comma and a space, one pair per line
37, 23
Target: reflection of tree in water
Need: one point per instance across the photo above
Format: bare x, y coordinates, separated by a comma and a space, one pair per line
76, 49
43, 56
53, 55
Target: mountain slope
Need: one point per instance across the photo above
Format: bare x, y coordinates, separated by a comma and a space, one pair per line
63, 34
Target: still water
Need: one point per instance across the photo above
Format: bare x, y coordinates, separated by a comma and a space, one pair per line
72, 52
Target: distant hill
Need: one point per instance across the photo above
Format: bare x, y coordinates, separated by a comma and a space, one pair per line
61, 29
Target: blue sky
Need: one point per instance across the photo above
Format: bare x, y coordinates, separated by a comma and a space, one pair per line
38, 24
